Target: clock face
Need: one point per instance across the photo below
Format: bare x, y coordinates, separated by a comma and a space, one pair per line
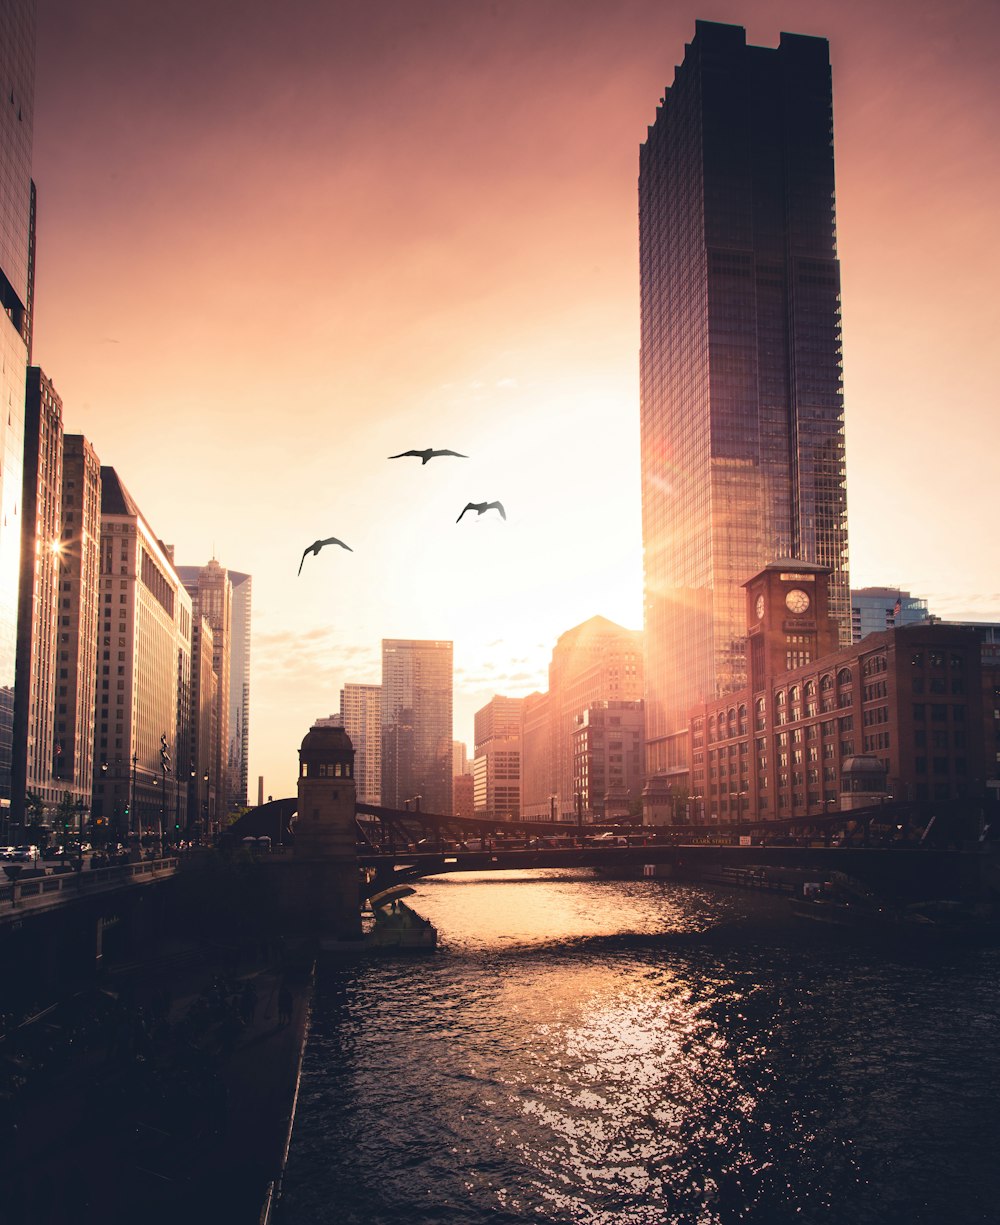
759, 607
797, 601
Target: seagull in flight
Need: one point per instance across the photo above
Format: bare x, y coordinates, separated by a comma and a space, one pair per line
430, 453
479, 507
318, 544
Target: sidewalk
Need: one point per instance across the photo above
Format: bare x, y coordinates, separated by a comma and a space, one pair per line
186, 1121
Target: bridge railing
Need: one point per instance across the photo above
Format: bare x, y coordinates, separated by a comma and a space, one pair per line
43, 890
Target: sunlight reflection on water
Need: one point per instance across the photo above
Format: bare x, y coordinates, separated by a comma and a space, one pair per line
598, 1051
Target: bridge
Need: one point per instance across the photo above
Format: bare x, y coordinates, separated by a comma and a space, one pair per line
902, 848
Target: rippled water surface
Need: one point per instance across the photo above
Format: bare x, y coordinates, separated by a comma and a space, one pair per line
612, 1051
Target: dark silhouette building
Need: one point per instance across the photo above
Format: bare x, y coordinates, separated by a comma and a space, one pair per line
416, 724
17, 275
741, 394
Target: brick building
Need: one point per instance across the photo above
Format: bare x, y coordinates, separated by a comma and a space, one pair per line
911, 697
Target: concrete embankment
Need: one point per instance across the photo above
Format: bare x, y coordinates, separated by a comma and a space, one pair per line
165, 1094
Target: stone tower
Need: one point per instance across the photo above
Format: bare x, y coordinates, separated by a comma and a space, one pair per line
326, 858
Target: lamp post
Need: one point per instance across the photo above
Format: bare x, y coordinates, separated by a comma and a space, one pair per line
738, 797
131, 811
164, 767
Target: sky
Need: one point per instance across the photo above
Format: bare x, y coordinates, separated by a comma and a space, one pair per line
278, 244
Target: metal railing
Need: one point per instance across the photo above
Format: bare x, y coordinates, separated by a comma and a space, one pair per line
40, 891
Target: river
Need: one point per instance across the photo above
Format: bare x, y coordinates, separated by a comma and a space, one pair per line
640, 1051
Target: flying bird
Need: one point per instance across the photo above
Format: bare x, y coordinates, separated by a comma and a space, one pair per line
479, 507
318, 544
430, 453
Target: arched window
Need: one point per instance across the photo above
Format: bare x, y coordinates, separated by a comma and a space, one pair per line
845, 677
793, 694
810, 689
826, 683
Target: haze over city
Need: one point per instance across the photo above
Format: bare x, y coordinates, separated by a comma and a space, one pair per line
273, 252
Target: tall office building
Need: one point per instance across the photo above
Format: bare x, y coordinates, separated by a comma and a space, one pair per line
416, 723
211, 592
224, 597
874, 609
79, 599
361, 718
17, 229
497, 763
239, 691
597, 661
35, 745
742, 406
144, 675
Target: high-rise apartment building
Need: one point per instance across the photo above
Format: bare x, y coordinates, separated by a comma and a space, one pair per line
143, 675
361, 718
17, 229
35, 746
741, 396
874, 609
417, 723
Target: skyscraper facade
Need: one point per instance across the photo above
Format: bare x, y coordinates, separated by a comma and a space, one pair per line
211, 592
596, 661
35, 747
17, 215
417, 723
144, 675
741, 394
361, 718
497, 763
79, 599
239, 691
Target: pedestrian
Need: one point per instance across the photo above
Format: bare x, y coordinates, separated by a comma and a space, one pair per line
285, 1001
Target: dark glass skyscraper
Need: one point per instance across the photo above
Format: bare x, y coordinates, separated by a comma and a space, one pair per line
742, 403
17, 214
416, 723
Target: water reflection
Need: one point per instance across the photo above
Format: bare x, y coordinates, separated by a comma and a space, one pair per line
636, 1052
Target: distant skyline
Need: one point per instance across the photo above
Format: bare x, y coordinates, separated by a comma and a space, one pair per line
275, 248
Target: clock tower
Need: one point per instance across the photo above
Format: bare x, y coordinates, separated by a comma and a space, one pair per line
788, 620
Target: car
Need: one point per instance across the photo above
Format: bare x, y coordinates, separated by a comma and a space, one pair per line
53, 852
25, 854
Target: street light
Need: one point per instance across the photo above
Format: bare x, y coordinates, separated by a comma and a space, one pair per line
164, 767
738, 797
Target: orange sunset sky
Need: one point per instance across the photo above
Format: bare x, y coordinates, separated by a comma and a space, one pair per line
277, 244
